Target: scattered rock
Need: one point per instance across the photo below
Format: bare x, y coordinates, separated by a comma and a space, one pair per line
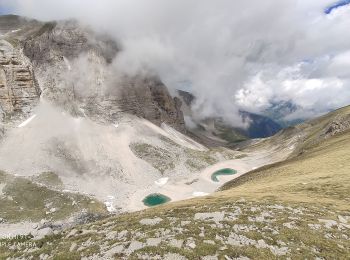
41, 233
192, 245
185, 223
72, 233
279, 251
176, 243
314, 226
210, 257
328, 223
87, 217
134, 245
212, 216
171, 256
153, 241
239, 240
117, 249
150, 222
342, 219
43, 256
73, 247
122, 234
290, 225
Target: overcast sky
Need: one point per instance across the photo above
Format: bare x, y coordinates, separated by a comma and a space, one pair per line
231, 54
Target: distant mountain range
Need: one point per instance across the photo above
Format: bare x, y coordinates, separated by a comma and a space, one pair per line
260, 126
278, 111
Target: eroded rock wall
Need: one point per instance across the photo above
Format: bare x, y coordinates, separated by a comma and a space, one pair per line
19, 92
71, 81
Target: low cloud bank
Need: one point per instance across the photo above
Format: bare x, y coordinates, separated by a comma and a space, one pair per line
233, 55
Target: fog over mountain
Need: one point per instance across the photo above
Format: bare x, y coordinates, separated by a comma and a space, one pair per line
232, 55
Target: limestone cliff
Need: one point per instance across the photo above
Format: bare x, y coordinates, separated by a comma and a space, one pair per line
19, 92
73, 69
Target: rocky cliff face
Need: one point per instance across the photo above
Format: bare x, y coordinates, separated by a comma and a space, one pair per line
19, 91
150, 99
73, 69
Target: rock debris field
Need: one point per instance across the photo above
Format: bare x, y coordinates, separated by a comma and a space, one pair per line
239, 230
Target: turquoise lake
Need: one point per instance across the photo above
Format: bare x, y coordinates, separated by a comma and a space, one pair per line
155, 199
226, 171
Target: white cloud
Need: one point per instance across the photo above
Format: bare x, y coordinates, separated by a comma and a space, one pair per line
236, 54
313, 96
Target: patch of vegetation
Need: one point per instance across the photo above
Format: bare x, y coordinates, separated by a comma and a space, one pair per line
191, 182
241, 156
23, 200
321, 174
168, 141
229, 134
198, 160
14, 42
194, 165
158, 157
49, 179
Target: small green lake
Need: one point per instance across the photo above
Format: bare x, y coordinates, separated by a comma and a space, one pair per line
155, 199
226, 171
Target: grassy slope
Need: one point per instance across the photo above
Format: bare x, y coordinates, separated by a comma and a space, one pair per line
322, 174
308, 134
316, 128
24, 200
